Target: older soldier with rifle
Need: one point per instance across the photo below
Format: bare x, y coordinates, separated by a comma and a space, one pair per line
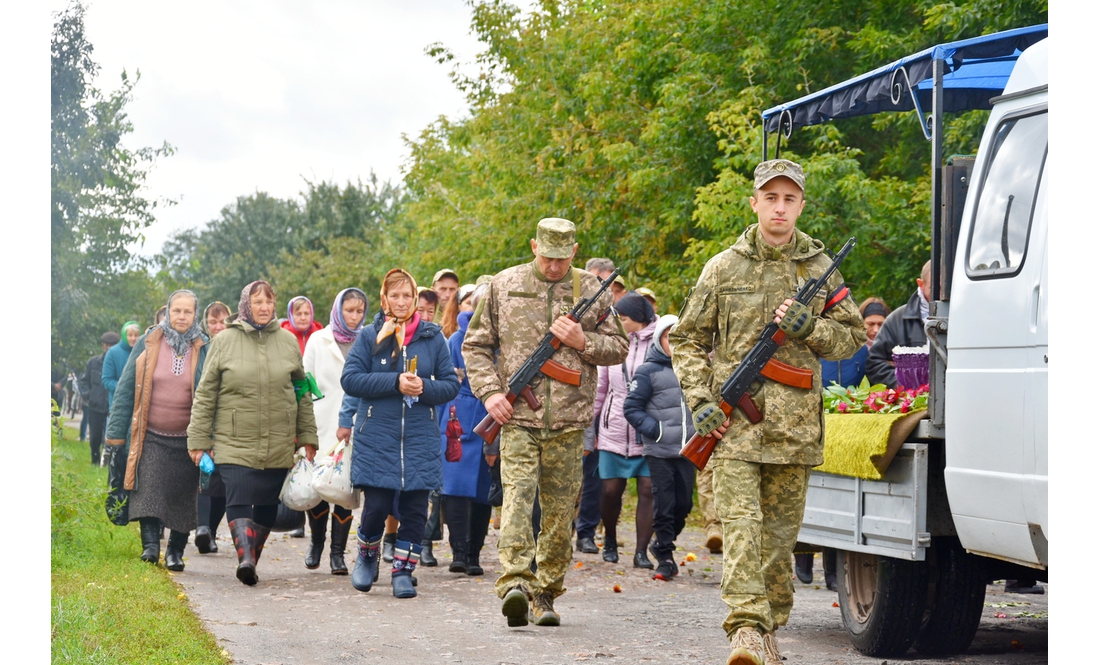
546, 325
765, 450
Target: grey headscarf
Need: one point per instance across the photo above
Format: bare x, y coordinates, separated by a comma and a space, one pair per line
180, 342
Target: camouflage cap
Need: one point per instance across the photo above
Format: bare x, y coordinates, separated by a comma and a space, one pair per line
484, 279
774, 168
555, 238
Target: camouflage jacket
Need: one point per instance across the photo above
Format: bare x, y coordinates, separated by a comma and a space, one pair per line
513, 317
736, 296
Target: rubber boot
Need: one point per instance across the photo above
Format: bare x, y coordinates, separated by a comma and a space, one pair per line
245, 535
150, 539
203, 536
427, 558
340, 530
405, 557
318, 523
173, 554
387, 546
366, 563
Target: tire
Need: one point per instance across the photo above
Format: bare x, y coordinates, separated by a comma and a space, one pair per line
956, 596
882, 601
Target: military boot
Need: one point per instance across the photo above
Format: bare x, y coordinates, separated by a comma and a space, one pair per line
516, 606
746, 647
771, 649
542, 611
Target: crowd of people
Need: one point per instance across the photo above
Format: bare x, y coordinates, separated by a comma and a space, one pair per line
406, 383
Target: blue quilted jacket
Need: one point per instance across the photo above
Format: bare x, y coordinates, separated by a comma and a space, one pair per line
396, 446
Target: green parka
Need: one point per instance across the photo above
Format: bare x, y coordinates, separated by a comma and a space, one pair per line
245, 407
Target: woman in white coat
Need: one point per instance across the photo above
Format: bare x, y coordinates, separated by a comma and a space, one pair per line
324, 357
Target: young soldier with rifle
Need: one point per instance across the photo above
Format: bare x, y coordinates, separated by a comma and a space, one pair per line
544, 419
765, 448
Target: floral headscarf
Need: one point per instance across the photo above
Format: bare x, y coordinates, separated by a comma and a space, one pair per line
290, 312
244, 307
181, 341
392, 325
340, 330
206, 315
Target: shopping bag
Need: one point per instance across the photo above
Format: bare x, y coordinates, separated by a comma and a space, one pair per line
118, 499
332, 478
454, 438
298, 492
287, 519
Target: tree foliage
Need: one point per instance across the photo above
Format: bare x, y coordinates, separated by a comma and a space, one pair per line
640, 121
97, 208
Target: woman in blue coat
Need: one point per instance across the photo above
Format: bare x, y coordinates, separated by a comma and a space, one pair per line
466, 508
396, 439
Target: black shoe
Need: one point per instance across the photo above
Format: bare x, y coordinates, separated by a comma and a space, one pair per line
428, 559
340, 532
610, 554
666, 570
204, 540
173, 554
473, 563
1024, 586
830, 581
388, 541
642, 561
804, 567
300, 532
587, 546
150, 539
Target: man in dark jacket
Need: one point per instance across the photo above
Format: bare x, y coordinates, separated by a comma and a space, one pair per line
96, 402
903, 327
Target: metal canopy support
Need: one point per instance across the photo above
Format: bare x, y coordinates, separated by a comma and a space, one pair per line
937, 172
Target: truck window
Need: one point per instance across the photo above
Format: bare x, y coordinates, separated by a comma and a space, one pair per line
1002, 217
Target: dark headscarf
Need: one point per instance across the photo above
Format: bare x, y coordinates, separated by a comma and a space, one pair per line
340, 330
244, 307
180, 342
636, 307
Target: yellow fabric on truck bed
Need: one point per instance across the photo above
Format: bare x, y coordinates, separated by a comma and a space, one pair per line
862, 445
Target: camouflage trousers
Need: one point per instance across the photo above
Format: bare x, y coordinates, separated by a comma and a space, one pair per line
760, 506
549, 462
704, 481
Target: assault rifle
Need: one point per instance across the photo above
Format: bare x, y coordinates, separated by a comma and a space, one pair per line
758, 362
519, 385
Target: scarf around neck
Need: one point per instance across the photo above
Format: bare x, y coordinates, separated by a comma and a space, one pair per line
181, 342
340, 330
392, 325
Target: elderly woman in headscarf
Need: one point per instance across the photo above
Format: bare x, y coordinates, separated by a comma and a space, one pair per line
212, 498
324, 358
151, 412
299, 320
400, 369
251, 412
115, 359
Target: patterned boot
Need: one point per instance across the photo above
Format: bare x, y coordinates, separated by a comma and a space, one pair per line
365, 573
405, 557
243, 531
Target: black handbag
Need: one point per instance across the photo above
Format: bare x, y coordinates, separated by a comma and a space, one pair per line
118, 499
288, 519
496, 490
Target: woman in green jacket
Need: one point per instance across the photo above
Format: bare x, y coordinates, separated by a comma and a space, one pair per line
151, 412
247, 415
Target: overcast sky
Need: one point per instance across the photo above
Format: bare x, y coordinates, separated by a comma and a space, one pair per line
261, 95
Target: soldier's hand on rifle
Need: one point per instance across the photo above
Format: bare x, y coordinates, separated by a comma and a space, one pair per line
410, 384
710, 421
498, 407
569, 332
795, 319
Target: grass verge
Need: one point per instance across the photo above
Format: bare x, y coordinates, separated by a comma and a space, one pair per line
108, 606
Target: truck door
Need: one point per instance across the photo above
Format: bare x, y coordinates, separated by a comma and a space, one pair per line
995, 414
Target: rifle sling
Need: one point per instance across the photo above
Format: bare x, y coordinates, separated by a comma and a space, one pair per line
788, 375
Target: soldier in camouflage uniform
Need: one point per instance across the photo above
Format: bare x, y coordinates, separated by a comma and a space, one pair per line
540, 450
761, 471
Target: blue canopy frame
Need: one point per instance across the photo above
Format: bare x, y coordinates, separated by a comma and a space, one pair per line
958, 76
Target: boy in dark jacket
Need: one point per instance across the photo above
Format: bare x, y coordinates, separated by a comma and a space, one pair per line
655, 408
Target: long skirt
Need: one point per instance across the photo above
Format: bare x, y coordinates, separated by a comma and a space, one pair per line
167, 483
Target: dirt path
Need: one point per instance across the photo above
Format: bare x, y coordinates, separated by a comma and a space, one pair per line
298, 616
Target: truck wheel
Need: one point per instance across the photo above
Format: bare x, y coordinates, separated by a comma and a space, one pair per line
882, 601
957, 594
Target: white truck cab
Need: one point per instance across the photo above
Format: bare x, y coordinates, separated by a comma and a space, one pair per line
964, 501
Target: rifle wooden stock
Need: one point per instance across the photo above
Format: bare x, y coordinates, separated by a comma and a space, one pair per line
698, 449
489, 428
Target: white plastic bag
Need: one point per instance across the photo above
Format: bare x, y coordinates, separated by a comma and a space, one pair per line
332, 478
298, 492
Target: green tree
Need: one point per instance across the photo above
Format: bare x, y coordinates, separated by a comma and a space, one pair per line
97, 208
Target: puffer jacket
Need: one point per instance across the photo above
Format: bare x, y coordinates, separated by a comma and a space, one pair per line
396, 446
614, 433
246, 401
130, 411
656, 408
